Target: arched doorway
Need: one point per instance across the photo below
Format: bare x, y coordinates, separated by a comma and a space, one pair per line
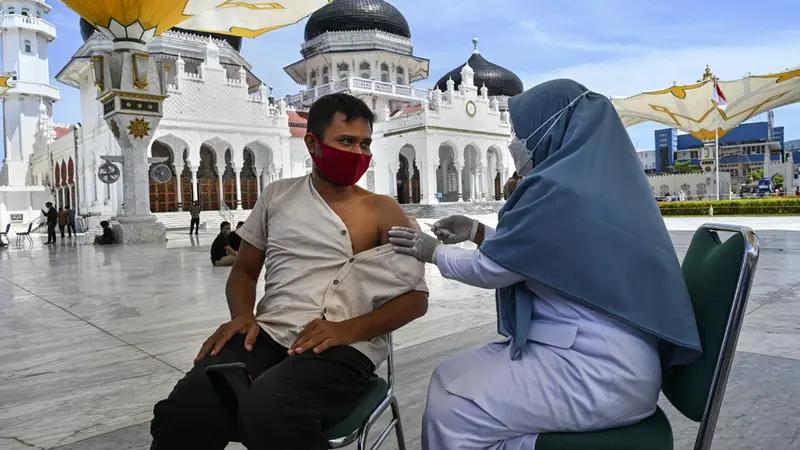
469, 174
229, 181
249, 181
407, 177
163, 197
407, 188
446, 174
208, 180
493, 173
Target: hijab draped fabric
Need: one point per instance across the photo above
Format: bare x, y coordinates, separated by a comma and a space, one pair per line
585, 224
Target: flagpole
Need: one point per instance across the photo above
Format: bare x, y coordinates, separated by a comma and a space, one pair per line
716, 138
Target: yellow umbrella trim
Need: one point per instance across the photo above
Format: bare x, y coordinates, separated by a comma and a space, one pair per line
4, 82
163, 14
704, 134
677, 91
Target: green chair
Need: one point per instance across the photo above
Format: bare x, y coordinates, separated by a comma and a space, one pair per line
371, 407
719, 276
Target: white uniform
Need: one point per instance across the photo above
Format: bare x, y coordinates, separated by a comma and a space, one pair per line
581, 370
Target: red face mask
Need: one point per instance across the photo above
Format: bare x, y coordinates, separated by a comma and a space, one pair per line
339, 166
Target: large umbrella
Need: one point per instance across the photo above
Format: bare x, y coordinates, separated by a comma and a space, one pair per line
132, 23
7, 81
692, 108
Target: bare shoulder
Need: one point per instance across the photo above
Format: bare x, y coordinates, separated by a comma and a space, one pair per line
389, 213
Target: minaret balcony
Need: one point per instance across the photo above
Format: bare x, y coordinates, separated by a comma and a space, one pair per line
13, 21
356, 85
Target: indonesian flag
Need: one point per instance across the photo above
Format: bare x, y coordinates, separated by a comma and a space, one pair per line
719, 96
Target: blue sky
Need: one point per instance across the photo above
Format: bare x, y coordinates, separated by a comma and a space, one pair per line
616, 47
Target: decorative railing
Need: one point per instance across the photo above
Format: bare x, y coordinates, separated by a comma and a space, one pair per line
352, 83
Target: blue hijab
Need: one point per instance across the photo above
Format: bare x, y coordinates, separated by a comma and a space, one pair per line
585, 224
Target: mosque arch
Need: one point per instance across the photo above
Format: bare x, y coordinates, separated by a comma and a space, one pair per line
70, 171
407, 176
469, 174
385, 72
446, 173
326, 78
258, 156
494, 177
229, 180
164, 197
400, 75
364, 70
208, 179
181, 163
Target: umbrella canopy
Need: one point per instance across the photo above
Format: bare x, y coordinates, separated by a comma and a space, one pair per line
693, 108
132, 23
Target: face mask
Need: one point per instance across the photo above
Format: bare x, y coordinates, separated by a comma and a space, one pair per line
339, 166
523, 157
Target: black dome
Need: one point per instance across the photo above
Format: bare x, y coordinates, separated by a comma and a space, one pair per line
499, 80
87, 29
352, 15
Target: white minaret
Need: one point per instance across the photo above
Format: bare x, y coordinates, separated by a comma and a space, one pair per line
26, 37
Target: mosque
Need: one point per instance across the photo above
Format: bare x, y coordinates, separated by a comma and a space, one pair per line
226, 135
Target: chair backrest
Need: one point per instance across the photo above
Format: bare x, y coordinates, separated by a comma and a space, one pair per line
8, 227
30, 227
719, 276
390, 366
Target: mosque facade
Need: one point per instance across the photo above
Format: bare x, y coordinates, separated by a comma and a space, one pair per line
226, 136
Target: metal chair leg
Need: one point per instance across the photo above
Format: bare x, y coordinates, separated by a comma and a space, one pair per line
30, 239
398, 427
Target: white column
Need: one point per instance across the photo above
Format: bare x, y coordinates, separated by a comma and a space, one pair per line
178, 172
221, 172
393, 168
459, 169
238, 189
3, 212
193, 169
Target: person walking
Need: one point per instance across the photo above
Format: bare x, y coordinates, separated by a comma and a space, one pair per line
71, 222
52, 219
62, 221
195, 212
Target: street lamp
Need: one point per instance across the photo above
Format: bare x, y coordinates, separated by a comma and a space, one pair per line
132, 85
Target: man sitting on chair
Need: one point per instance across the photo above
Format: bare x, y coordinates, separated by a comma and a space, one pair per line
334, 290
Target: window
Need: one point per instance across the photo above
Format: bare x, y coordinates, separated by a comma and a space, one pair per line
25, 12
401, 79
27, 46
385, 73
11, 10
325, 77
363, 70
344, 70
313, 82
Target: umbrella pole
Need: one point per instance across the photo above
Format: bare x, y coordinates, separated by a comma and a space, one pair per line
716, 147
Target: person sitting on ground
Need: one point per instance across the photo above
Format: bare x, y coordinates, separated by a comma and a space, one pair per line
234, 240
222, 255
107, 238
334, 290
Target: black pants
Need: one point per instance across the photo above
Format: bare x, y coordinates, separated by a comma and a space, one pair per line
194, 225
61, 228
71, 229
51, 231
291, 401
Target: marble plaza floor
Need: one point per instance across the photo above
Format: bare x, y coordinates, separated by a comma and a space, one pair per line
91, 337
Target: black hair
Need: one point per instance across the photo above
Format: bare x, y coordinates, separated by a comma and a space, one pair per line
322, 111
105, 224
48, 204
239, 225
224, 224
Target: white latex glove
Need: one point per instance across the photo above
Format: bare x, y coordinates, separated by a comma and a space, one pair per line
455, 229
416, 243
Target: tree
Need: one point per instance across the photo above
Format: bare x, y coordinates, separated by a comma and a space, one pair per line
777, 180
756, 175
684, 167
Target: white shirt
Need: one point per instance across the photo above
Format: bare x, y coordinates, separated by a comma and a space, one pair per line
311, 272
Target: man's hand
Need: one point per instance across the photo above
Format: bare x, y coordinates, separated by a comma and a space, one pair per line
239, 325
321, 335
